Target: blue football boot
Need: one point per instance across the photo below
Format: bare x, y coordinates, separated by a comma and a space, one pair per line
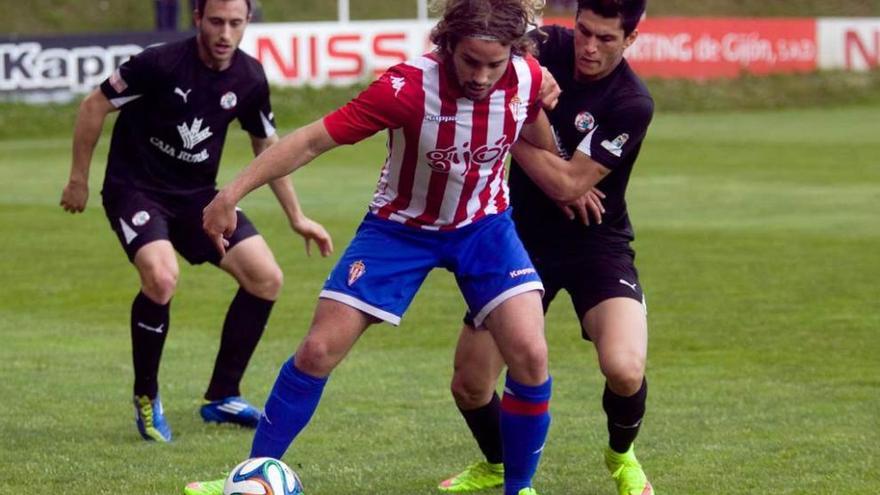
150, 419
231, 410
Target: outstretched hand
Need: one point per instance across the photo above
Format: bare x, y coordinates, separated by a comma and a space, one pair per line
219, 221
311, 230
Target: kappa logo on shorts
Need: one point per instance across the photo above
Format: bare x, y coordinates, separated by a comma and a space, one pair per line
356, 270
140, 218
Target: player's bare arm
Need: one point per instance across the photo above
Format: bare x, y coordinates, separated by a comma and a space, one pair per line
585, 206
290, 153
89, 122
284, 191
562, 180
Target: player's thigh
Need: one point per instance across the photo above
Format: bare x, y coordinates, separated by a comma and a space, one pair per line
618, 327
335, 329
517, 326
253, 265
478, 364
157, 267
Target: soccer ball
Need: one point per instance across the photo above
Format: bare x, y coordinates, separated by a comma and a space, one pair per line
262, 476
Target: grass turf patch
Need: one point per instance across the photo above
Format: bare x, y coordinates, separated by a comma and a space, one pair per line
756, 234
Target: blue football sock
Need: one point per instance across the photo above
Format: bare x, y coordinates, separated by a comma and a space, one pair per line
525, 420
288, 410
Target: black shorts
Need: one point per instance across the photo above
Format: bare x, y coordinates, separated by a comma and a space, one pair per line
139, 218
588, 279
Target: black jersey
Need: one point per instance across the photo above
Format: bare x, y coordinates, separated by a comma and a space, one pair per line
606, 120
174, 113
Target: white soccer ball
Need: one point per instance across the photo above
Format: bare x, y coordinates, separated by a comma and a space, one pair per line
262, 476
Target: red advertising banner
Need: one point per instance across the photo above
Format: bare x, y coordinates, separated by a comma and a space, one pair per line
704, 48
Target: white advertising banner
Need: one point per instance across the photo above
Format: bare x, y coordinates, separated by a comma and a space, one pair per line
339, 54
849, 44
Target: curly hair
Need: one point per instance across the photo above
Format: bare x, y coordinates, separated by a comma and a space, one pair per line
506, 21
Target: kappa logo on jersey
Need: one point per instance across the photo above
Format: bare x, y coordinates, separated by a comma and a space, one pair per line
397, 83
584, 121
441, 118
182, 94
442, 160
356, 270
616, 147
140, 218
194, 134
228, 101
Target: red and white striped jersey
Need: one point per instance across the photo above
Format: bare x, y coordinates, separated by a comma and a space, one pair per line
446, 153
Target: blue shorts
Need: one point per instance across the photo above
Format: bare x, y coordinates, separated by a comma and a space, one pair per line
386, 263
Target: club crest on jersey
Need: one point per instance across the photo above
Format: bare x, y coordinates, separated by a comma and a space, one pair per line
516, 108
140, 218
584, 121
228, 100
356, 270
615, 147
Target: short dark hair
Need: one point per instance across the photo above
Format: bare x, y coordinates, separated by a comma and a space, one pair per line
506, 21
200, 5
629, 12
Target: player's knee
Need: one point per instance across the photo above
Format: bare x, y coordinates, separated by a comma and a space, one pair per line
315, 358
626, 378
529, 365
470, 394
268, 285
159, 285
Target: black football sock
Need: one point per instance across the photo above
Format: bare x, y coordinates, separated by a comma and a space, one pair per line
624, 416
149, 327
485, 425
244, 325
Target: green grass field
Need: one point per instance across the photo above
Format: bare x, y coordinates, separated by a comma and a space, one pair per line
758, 240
